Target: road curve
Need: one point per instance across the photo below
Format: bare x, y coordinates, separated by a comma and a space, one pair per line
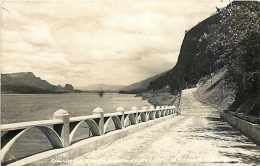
197, 137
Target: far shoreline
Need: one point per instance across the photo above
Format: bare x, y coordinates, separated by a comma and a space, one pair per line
63, 93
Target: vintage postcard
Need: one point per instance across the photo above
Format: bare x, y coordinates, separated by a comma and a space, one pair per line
130, 82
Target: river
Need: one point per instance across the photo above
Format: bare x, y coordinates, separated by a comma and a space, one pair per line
30, 107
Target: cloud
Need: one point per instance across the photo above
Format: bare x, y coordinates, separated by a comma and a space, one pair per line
97, 41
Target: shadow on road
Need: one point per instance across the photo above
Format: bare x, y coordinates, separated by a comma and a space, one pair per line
227, 138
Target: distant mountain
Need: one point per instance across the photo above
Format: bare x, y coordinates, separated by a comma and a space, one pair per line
102, 87
141, 86
27, 82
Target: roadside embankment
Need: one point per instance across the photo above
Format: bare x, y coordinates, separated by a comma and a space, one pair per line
249, 129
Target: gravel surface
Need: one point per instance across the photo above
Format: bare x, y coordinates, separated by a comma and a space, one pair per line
197, 137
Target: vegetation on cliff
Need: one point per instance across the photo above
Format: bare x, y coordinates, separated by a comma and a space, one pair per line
235, 45
222, 54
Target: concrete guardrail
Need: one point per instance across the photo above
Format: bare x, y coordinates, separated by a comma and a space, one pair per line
251, 130
61, 131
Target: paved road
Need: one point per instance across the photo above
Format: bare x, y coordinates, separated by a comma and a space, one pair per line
197, 137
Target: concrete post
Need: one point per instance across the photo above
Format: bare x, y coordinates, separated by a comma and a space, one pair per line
146, 113
174, 110
162, 111
171, 109
152, 112
165, 110
122, 110
65, 132
134, 109
179, 109
158, 110
101, 121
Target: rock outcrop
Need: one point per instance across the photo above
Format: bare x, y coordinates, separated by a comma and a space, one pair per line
68, 87
221, 55
27, 82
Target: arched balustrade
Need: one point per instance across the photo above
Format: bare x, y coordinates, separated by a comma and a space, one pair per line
112, 121
92, 127
130, 119
50, 134
142, 117
63, 130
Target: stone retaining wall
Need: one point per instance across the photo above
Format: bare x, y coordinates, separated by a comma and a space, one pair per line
249, 129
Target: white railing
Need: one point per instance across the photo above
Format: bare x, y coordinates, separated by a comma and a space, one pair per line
61, 131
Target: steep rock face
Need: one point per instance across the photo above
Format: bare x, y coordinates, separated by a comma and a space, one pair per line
225, 47
27, 82
193, 63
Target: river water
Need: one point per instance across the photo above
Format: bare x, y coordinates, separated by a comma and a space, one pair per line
20, 108
29, 107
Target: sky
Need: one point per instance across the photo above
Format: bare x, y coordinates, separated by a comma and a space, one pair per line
84, 42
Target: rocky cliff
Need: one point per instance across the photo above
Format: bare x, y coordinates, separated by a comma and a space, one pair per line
27, 82
222, 56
